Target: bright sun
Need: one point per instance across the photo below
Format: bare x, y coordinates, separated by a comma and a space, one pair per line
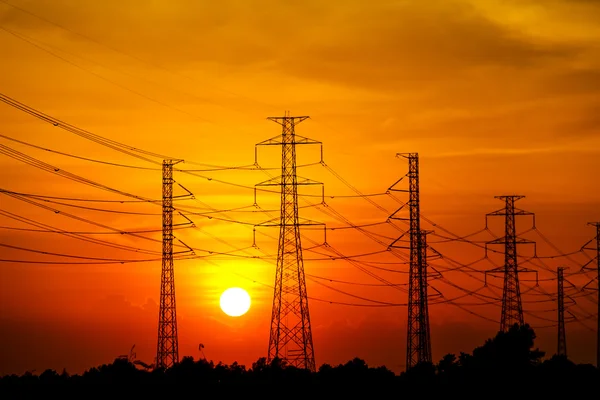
235, 302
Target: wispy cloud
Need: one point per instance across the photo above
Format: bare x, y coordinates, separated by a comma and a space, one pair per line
499, 151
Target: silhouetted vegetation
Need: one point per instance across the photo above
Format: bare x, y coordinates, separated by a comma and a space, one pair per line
507, 362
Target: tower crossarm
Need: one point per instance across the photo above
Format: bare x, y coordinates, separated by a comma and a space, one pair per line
279, 181
501, 270
287, 123
517, 240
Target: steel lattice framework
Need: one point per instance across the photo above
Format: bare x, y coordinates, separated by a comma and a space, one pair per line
167, 353
512, 308
562, 338
418, 346
427, 356
290, 336
597, 225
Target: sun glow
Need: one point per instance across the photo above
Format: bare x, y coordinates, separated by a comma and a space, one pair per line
235, 302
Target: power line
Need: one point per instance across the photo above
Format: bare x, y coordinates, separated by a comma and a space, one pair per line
210, 167
76, 235
75, 217
17, 155
135, 152
117, 146
64, 255
36, 44
39, 196
272, 107
94, 208
78, 157
125, 231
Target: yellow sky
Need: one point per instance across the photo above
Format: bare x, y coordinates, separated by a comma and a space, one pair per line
497, 97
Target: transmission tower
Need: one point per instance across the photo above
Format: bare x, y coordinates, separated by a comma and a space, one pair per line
512, 308
424, 295
597, 225
562, 338
418, 346
290, 337
167, 352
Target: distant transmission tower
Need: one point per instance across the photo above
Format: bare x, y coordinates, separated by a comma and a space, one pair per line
424, 296
167, 353
597, 225
418, 346
562, 338
512, 308
290, 337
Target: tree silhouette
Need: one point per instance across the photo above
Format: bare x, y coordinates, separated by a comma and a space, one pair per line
507, 362
511, 349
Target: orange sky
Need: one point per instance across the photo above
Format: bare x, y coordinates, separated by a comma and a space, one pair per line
497, 97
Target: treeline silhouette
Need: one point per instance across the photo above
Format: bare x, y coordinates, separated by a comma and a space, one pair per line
507, 362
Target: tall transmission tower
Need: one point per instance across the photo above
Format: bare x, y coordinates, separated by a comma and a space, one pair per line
597, 225
290, 336
418, 346
512, 308
167, 352
562, 338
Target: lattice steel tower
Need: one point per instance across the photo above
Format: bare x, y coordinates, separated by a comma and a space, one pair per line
424, 296
290, 337
167, 352
562, 338
512, 308
597, 225
418, 346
